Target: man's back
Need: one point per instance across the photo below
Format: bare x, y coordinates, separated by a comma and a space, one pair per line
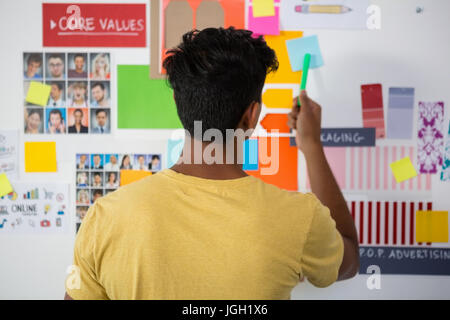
174, 236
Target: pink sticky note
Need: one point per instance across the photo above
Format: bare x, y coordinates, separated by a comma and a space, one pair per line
264, 25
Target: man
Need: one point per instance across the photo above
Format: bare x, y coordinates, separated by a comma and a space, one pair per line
97, 194
140, 165
99, 95
112, 165
79, 71
56, 66
77, 126
203, 230
82, 165
78, 95
102, 122
56, 98
34, 63
56, 122
97, 180
97, 164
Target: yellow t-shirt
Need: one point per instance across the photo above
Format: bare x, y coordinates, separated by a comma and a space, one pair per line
174, 236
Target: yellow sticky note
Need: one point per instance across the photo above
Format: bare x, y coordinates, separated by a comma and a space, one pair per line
278, 98
5, 186
284, 74
403, 169
40, 157
129, 176
38, 93
431, 226
263, 8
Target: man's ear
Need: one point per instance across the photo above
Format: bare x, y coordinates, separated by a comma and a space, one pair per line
250, 117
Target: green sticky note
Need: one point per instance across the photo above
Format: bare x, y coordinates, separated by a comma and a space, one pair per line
5, 186
144, 103
38, 93
403, 169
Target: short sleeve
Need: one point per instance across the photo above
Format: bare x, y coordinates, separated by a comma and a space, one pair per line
323, 250
82, 282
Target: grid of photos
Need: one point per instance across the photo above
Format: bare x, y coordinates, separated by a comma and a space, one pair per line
80, 96
99, 174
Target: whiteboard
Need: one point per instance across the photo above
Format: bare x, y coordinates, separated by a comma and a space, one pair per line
410, 50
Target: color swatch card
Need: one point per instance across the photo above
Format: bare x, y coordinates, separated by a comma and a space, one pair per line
372, 108
445, 173
430, 142
35, 208
9, 162
297, 48
400, 113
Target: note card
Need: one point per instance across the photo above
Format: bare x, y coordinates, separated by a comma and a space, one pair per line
264, 25
297, 48
445, 173
38, 93
129, 176
40, 157
5, 186
400, 113
431, 226
403, 169
263, 8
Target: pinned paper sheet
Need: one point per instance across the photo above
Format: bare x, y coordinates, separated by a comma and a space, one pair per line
129, 176
5, 186
432, 226
403, 169
297, 48
40, 157
38, 93
263, 8
284, 74
278, 98
275, 121
264, 25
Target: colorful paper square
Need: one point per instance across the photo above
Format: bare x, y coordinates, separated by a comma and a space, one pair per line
38, 93
297, 48
5, 185
403, 169
40, 157
432, 226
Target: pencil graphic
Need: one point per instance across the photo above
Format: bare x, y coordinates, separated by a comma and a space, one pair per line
313, 8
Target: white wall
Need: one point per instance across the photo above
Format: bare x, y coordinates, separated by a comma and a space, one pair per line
409, 50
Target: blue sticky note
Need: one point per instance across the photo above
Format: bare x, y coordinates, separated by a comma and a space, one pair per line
174, 149
297, 48
250, 155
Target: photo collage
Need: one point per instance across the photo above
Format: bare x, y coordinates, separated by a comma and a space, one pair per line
99, 174
80, 92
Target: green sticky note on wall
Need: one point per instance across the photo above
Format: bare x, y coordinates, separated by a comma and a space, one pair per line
144, 103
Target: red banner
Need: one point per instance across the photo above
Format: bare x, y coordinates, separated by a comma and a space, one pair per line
94, 25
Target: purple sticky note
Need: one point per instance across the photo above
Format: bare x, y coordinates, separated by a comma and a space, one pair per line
264, 25
430, 142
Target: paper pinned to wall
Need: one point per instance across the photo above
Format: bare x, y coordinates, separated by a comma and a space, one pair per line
278, 98
174, 149
372, 108
275, 121
263, 8
432, 226
264, 25
403, 169
5, 185
130, 176
38, 93
40, 157
400, 113
9, 162
445, 174
297, 48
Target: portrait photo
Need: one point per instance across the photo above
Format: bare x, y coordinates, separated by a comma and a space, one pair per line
154, 162
95, 194
140, 162
100, 121
56, 66
126, 162
82, 161
83, 196
97, 161
97, 179
55, 119
112, 162
57, 97
32, 66
78, 120
100, 66
81, 212
100, 94
34, 120
77, 66
77, 94
82, 179
111, 180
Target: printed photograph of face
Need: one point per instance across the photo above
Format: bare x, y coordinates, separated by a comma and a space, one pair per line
83, 196
77, 94
97, 179
57, 94
97, 161
78, 120
140, 162
112, 162
126, 162
100, 97
77, 65
112, 180
100, 121
154, 162
33, 120
55, 66
82, 161
55, 120
96, 193
32, 64
100, 66
82, 179
81, 212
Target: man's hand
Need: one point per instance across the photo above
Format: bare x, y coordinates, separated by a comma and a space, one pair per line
307, 121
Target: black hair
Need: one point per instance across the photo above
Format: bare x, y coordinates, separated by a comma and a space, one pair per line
98, 84
216, 74
56, 55
34, 57
155, 156
58, 84
100, 110
79, 55
100, 192
33, 111
55, 111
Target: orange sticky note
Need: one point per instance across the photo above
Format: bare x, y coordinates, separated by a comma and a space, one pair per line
5, 185
40, 157
38, 93
129, 176
284, 74
431, 226
278, 98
